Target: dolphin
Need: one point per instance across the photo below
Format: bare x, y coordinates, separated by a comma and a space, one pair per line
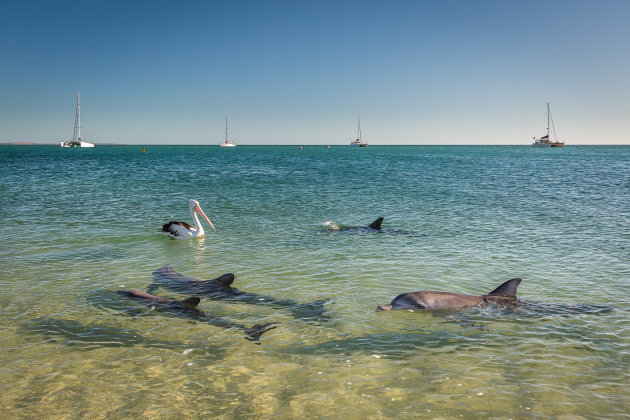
430, 300
374, 226
221, 288
502, 298
187, 308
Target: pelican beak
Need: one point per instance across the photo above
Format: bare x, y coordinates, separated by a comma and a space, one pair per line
197, 209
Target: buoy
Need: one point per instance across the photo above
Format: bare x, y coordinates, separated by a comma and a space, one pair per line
143, 149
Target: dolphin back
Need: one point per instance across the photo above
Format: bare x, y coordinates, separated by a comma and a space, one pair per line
507, 289
167, 274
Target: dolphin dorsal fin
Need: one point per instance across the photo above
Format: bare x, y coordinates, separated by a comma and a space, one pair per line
225, 280
191, 302
376, 225
506, 289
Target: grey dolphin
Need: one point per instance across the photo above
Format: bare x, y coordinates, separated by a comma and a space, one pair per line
221, 288
187, 308
334, 227
374, 227
429, 299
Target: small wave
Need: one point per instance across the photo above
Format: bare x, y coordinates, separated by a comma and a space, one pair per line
330, 225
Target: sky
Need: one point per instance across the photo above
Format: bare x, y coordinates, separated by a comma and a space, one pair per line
299, 72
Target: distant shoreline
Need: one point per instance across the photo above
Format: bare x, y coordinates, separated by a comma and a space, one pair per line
27, 143
30, 143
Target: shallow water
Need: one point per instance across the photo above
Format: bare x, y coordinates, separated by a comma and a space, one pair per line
81, 223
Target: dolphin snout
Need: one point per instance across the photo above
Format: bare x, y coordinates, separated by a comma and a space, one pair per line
383, 308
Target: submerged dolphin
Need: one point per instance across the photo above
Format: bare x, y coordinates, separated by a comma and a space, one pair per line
429, 299
221, 288
187, 308
334, 227
374, 227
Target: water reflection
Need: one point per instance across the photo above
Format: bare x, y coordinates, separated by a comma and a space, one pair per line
90, 336
395, 345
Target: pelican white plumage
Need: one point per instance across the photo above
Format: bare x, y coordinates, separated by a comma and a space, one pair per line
182, 230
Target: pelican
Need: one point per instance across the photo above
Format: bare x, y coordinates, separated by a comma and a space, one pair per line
182, 230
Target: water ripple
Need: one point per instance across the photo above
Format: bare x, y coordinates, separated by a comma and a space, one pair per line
461, 219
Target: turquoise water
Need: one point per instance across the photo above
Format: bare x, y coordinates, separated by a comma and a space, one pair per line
79, 223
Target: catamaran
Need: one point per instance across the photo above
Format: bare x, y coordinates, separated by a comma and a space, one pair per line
227, 143
358, 142
544, 141
77, 140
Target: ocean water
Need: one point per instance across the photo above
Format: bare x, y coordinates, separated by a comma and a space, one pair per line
79, 224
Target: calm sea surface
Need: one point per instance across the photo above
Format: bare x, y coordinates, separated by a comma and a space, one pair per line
81, 223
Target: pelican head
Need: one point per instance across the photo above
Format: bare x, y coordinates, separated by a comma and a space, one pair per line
196, 208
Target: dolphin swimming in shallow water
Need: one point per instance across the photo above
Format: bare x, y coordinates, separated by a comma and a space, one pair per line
187, 308
334, 227
221, 288
374, 227
429, 299
502, 298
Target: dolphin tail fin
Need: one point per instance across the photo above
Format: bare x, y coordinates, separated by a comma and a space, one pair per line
506, 289
255, 332
376, 225
191, 302
311, 311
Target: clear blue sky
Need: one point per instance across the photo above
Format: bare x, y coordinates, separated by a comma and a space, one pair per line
292, 72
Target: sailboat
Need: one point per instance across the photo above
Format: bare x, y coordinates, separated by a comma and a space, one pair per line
358, 142
544, 141
227, 143
77, 140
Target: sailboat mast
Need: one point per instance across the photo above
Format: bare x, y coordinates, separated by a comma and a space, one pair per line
553, 126
359, 126
77, 119
548, 116
78, 115
226, 137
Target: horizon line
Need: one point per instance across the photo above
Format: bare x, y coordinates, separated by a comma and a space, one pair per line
26, 143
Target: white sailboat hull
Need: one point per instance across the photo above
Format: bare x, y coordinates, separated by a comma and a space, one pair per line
76, 144
539, 144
